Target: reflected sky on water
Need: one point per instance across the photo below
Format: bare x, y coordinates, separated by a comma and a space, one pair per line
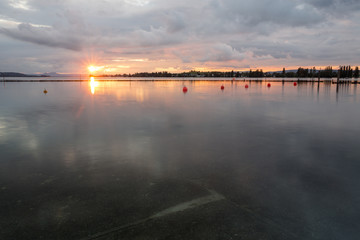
290, 154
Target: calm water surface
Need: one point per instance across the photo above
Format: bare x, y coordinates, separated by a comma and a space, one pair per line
98, 159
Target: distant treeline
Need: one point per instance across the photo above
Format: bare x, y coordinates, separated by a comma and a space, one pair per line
328, 72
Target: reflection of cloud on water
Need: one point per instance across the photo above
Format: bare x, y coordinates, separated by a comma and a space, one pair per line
35, 133
2, 128
17, 131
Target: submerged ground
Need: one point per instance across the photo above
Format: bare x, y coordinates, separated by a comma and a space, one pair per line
143, 160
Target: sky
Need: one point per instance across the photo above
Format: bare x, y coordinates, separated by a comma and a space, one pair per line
128, 36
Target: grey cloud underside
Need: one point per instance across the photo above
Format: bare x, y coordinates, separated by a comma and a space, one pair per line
336, 5
279, 12
42, 36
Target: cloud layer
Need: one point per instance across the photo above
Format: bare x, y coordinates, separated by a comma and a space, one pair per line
65, 36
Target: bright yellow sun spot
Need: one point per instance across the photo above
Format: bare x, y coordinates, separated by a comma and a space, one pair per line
92, 69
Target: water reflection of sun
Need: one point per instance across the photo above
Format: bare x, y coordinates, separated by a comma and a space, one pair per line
93, 85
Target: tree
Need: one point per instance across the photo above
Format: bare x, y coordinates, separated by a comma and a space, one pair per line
313, 72
343, 71
290, 74
283, 72
302, 72
356, 72
327, 73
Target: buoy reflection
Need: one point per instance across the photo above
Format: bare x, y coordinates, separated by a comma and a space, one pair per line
93, 85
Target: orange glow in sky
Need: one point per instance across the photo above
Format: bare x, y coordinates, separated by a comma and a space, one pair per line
91, 69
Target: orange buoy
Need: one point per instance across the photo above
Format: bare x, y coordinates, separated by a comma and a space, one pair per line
185, 89
222, 87
269, 85
45, 91
246, 86
295, 84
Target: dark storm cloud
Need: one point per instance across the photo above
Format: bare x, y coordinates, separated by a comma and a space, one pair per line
42, 36
336, 8
281, 12
353, 5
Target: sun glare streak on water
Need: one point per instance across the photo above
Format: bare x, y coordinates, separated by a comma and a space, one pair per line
93, 85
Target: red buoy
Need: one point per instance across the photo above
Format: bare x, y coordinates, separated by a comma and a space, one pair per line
269, 85
295, 84
185, 89
246, 86
222, 87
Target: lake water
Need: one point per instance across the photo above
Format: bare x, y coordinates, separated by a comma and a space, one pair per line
143, 160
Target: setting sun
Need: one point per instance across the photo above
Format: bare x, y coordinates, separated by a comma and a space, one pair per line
91, 69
